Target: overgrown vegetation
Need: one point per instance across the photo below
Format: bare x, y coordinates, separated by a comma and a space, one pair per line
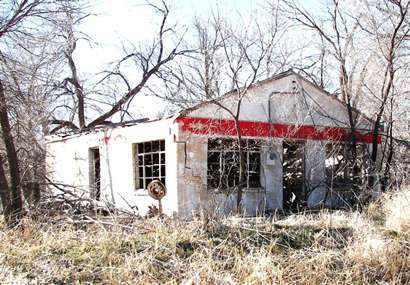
321, 248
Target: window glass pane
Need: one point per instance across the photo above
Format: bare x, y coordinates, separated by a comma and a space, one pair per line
148, 171
155, 171
213, 157
213, 182
155, 146
140, 148
254, 180
137, 161
148, 159
155, 158
229, 144
232, 179
150, 162
213, 144
224, 163
147, 147
253, 145
254, 160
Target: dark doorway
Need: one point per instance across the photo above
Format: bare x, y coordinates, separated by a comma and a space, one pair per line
294, 196
95, 173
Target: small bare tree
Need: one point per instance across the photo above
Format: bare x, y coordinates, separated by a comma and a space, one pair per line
362, 38
144, 61
337, 33
24, 34
389, 27
228, 61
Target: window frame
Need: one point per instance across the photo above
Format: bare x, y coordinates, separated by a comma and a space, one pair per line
223, 152
147, 160
339, 171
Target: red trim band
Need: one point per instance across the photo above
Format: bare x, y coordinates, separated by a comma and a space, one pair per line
207, 126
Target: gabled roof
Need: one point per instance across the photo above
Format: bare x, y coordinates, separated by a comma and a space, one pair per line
232, 92
273, 78
333, 97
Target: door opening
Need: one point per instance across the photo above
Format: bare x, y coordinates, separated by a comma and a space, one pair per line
294, 195
95, 173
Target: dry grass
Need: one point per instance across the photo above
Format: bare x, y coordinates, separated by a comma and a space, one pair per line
397, 209
325, 248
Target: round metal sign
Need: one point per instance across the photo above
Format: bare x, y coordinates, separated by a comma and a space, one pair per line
156, 190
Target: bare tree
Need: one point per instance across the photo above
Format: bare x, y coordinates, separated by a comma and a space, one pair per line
15, 22
390, 29
24, 58
71, 43
338, 35
15, 205
229, 59
362, 38
145, 61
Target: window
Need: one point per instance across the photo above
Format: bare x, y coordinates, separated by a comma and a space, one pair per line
149, 163
342, 172
223, 163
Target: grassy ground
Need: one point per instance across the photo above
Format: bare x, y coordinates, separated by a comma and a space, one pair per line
326, 248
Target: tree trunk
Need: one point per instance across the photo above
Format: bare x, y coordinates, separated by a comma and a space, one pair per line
4, 194
242, 167
347, 98
78, 91
386, 176
377, 129
16, 203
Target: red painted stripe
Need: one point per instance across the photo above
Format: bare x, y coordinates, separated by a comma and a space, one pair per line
207, 126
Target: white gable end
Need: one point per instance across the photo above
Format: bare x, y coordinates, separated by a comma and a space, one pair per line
288, 100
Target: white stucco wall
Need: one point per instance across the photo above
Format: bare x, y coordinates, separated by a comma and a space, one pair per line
186, 153
292, 101
68, 163
194, 195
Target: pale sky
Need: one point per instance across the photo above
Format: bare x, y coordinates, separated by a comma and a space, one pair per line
120, 21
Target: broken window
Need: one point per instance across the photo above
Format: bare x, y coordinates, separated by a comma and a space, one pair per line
94, 170
294, 195
342, 171
224, 163
149, 162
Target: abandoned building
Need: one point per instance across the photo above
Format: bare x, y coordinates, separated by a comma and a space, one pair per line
294, 136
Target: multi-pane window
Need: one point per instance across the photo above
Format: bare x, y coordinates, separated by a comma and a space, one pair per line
224, 163
342, 171
149, 162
